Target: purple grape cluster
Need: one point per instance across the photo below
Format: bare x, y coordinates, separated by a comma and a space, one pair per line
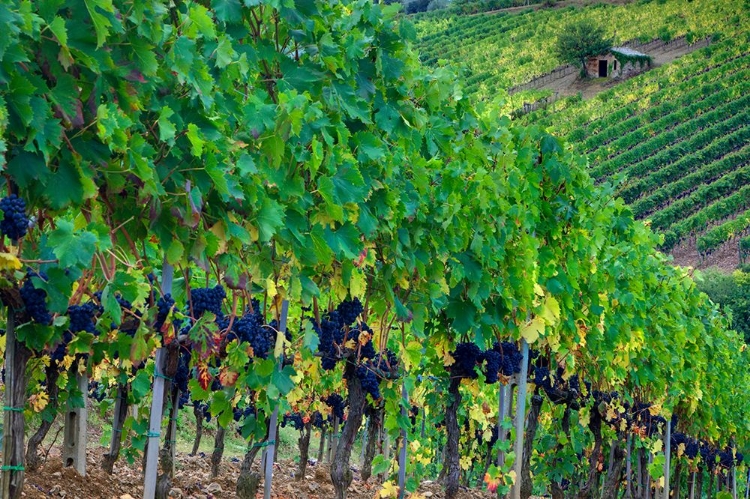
163, 305
240, 414
336, 402
542, 378
15, 223
511, 357
207, 300
493, 363
386, 361
294, 420
369, 380
318, 421
250, 329
466, 356
97, 391
348, 311
58, 353
83, 318
183, 400
35, 300
336, 327
182, 376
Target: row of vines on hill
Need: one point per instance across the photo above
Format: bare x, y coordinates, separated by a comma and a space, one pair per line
499, 50
682, 151
288, 208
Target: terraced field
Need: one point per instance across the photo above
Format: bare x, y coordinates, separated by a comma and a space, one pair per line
675, 140
500, 50
678, 140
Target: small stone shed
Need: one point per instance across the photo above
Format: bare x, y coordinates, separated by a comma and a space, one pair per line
619, 62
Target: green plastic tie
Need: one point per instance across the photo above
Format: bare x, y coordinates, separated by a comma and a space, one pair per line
153, 434
264, 444
12, 468
12, 409
160, 375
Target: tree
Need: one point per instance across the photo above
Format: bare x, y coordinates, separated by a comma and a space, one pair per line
581, 40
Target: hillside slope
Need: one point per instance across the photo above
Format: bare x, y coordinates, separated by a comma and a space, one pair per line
674, 140
499, 50
678, 140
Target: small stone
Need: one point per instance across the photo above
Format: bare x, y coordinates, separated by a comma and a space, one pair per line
55, 490
57, 474
427, 494
126, 496
214, 488
176, 493
313, 486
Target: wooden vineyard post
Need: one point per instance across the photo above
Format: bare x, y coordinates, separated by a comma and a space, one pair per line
75, 433
171, 440
520, 411
404, 442
667, 452
13, 419
747, 484
502, 414
275, 415
157, 404
692, 486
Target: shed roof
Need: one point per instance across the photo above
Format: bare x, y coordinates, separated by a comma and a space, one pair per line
627, 51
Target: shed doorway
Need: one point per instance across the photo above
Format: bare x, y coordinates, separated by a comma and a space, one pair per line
602, 68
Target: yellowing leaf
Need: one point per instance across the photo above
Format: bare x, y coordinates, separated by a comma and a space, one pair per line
551, 311
388, 489
538, 289
533, 329
39, 401
271, 287
466, 462
9, 262
657, 446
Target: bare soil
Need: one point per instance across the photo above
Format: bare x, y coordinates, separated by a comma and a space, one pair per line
193, 481
726, 257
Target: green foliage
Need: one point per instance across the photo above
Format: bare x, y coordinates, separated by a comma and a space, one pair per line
731, 291
581, 40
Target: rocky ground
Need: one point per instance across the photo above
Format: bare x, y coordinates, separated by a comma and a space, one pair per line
193, 481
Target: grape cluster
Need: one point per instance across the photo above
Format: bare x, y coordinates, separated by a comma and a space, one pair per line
466, 356
294, 419
348, 311
336, 402
164, 305
240, 414
386, 361
35, 300
542, 378
250, 329
182, 376
370, 382
512, 357
97, 391
82, 318
413, 413
58, 353
183, 400
204, 409
318, 421
493, 363
207, 300
15, 223
336, 327
692, 446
